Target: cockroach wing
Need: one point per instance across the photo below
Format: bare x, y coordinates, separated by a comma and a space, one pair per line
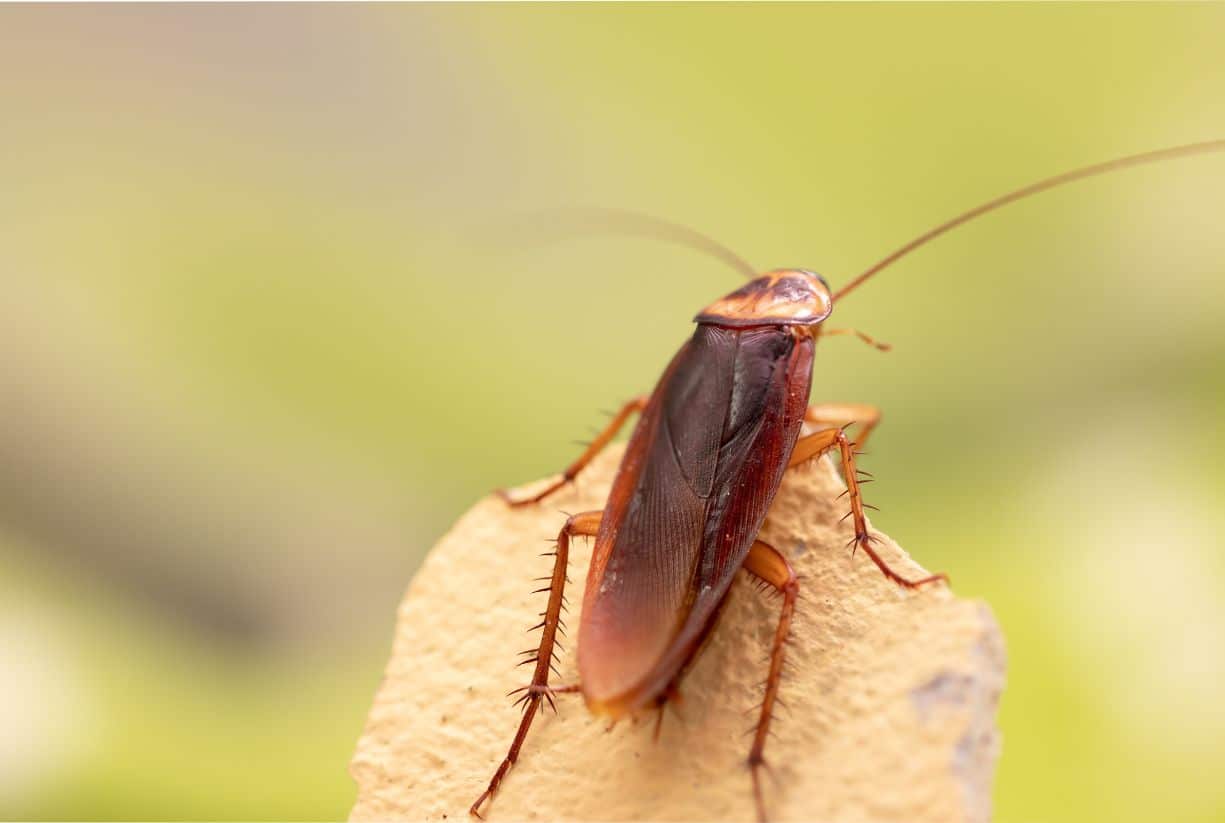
697, 478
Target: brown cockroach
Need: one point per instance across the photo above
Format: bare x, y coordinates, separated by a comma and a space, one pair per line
699, 472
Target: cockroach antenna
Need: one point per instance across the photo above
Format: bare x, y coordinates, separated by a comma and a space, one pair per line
1025, 191
625, 221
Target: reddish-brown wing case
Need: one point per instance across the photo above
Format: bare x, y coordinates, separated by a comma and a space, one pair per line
698, 476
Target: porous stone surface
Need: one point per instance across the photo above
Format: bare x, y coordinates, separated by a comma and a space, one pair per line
890, 695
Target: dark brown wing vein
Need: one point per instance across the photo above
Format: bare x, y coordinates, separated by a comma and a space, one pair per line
699, 475
774, 371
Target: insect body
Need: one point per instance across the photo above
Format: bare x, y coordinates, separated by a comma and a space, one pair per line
701, 468
693, 489
698, 477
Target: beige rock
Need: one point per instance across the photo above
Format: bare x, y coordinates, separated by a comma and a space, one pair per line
891, 695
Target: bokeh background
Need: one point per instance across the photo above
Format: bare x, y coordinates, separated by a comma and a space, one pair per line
270, 321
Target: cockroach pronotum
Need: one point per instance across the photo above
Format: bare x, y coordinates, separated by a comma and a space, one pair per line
699, 473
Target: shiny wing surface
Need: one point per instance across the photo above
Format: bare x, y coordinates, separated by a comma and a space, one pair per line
698, 476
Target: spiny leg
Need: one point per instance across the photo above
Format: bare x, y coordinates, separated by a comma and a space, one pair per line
766, 563
816, 444
586, 523
546, 691
593, 448
841, 414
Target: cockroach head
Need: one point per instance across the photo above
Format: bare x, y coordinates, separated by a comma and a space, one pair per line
785, 297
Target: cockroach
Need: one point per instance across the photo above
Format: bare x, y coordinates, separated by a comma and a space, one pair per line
700, 470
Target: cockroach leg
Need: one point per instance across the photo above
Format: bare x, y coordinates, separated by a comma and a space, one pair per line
586, 523
816, 444
841, 414
659, 720
767, 564
593, 448
547, 692
670, 695
812, 446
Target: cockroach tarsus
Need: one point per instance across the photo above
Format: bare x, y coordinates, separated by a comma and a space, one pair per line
700, 470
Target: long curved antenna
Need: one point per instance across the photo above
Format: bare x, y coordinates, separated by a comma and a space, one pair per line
1033, 188
598, 219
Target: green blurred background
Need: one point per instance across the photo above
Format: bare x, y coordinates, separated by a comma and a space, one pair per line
267, 329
